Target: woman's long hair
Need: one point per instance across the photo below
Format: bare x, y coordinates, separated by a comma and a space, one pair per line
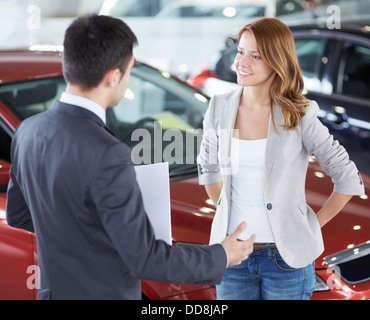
276, 46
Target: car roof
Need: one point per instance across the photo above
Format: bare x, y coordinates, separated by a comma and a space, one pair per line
24, 64
359, 28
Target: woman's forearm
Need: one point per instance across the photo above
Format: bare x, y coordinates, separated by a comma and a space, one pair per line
214, 191
332, 207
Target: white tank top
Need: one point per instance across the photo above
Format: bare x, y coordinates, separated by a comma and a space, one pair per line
247, 185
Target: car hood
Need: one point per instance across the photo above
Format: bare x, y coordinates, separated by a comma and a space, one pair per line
350, 228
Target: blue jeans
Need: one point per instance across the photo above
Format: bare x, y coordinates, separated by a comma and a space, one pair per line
265, 276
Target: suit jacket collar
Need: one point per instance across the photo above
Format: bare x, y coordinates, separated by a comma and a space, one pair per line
83, 102
76, 112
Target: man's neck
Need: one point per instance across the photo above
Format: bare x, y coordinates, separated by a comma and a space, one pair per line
92, 94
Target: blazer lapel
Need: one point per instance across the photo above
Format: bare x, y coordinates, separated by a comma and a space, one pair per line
230, 109
226, 126
274, 135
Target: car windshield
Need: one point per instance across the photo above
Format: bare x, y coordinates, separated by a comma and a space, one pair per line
160, 118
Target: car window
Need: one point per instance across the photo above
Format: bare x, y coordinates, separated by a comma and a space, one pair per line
155, 94
310, 52
31, 97
5, 142
159, 118
131, 8
353, 75
287, 6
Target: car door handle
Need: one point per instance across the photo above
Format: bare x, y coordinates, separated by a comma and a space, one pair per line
341, 113
338, 118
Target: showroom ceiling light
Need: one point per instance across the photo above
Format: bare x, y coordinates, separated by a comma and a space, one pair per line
229, 12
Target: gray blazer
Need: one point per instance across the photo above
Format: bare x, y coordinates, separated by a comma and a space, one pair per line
294, 224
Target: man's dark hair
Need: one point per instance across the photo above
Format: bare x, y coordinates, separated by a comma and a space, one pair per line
93, 45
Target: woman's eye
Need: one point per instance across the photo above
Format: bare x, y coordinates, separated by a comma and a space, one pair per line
256, 57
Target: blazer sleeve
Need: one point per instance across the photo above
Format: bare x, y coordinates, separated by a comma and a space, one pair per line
18, 214
208, 162
332, 156
118, 201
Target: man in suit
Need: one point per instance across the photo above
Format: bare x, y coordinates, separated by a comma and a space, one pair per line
74, 185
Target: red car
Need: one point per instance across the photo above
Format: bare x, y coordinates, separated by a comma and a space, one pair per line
30, 81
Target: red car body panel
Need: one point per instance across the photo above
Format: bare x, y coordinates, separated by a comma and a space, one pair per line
17, 253
22, 65
192, 214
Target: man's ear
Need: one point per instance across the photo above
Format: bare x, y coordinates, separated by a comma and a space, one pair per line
112, 77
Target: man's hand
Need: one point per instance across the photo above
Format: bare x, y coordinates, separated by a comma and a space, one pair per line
236, 250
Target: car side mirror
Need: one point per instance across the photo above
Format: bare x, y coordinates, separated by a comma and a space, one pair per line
4, 173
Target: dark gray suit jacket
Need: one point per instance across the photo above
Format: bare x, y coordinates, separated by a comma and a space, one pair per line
73, 184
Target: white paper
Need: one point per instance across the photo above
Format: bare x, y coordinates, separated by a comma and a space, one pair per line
154, 183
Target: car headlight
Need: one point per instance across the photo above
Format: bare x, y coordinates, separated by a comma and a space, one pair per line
353, 264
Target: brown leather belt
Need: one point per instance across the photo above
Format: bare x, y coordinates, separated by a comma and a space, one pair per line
260, 246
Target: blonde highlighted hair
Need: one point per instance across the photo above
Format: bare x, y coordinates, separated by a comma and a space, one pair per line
276, 46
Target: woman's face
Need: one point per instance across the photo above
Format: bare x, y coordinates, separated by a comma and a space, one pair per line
251, 69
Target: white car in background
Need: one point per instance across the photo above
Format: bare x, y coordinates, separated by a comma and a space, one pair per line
179, 36
230, 9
